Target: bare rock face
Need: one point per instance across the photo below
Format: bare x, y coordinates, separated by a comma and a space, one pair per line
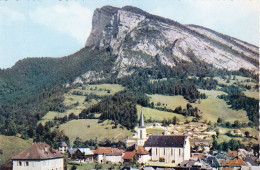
140, 39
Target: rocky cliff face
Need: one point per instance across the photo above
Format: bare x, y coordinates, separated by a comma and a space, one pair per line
140, 39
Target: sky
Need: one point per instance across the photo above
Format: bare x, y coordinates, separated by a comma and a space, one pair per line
57, 28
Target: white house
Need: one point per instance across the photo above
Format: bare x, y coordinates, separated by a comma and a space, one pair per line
63, 148
170, 148
108, 154
39, 156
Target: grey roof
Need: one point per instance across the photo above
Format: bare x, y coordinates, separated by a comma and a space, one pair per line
187, 163
63, 144
165, 141
212, 160
72, 150
251, 161
141, 123
87, 151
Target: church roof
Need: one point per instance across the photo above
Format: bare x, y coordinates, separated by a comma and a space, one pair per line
38, 151
165, 141
141, 123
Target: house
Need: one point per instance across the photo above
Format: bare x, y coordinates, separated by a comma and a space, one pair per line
197, 156
231, 155
236, 163
38, 156
63, 147
140, 154
236, 132
201, 147
108, 154
252, 164
170, 148
213, 162
71, 151
83, 155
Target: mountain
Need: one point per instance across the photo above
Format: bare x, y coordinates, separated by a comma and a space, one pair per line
130, 47
130, 34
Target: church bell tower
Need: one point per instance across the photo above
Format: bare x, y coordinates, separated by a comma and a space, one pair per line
141, 131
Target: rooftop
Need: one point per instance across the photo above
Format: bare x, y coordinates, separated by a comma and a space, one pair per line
38, 151
165, 141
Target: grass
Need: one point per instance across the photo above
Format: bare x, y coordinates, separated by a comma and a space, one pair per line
213, 108
11, 146
100, 89
157, 115
91, 129
155, 131
171, 102
77, 102
252, 94
92, 166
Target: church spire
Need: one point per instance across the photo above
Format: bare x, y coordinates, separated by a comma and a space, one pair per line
141, 123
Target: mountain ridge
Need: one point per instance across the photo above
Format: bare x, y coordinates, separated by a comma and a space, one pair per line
125, 31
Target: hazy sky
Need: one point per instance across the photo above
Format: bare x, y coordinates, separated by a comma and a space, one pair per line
56, 28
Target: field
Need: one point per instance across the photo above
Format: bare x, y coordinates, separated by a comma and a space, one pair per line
77, 102
252, 94
91, 129
213, 108
171, 102
157, 115
11, 146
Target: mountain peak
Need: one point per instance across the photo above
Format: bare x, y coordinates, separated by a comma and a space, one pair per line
140, 39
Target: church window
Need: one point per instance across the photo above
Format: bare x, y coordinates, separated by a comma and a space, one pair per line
141, 134
20, 163
27, 163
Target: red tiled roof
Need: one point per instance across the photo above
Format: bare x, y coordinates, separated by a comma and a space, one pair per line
236, 162
232, 154
141, 151
108, 151
129, 155
38, 151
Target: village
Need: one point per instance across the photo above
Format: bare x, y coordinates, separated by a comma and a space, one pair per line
178, 147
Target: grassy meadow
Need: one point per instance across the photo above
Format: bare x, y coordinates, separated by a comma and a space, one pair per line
213, 108
91, 129
157, 115
11, 146
77, 103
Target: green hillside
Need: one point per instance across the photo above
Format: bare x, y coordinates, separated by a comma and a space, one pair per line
11, 146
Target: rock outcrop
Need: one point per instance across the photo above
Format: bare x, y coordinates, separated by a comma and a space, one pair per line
140, 39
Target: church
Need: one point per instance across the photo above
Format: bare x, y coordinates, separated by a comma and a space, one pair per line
163, 148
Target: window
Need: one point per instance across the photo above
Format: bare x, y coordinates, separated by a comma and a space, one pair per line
27, 163
164, 151
20, 163
172, 152
179, 152
141, 134
156, 151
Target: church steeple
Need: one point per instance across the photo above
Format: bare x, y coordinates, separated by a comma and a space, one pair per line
141, 123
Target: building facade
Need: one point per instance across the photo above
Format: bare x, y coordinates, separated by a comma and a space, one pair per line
39, 156
168, 148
